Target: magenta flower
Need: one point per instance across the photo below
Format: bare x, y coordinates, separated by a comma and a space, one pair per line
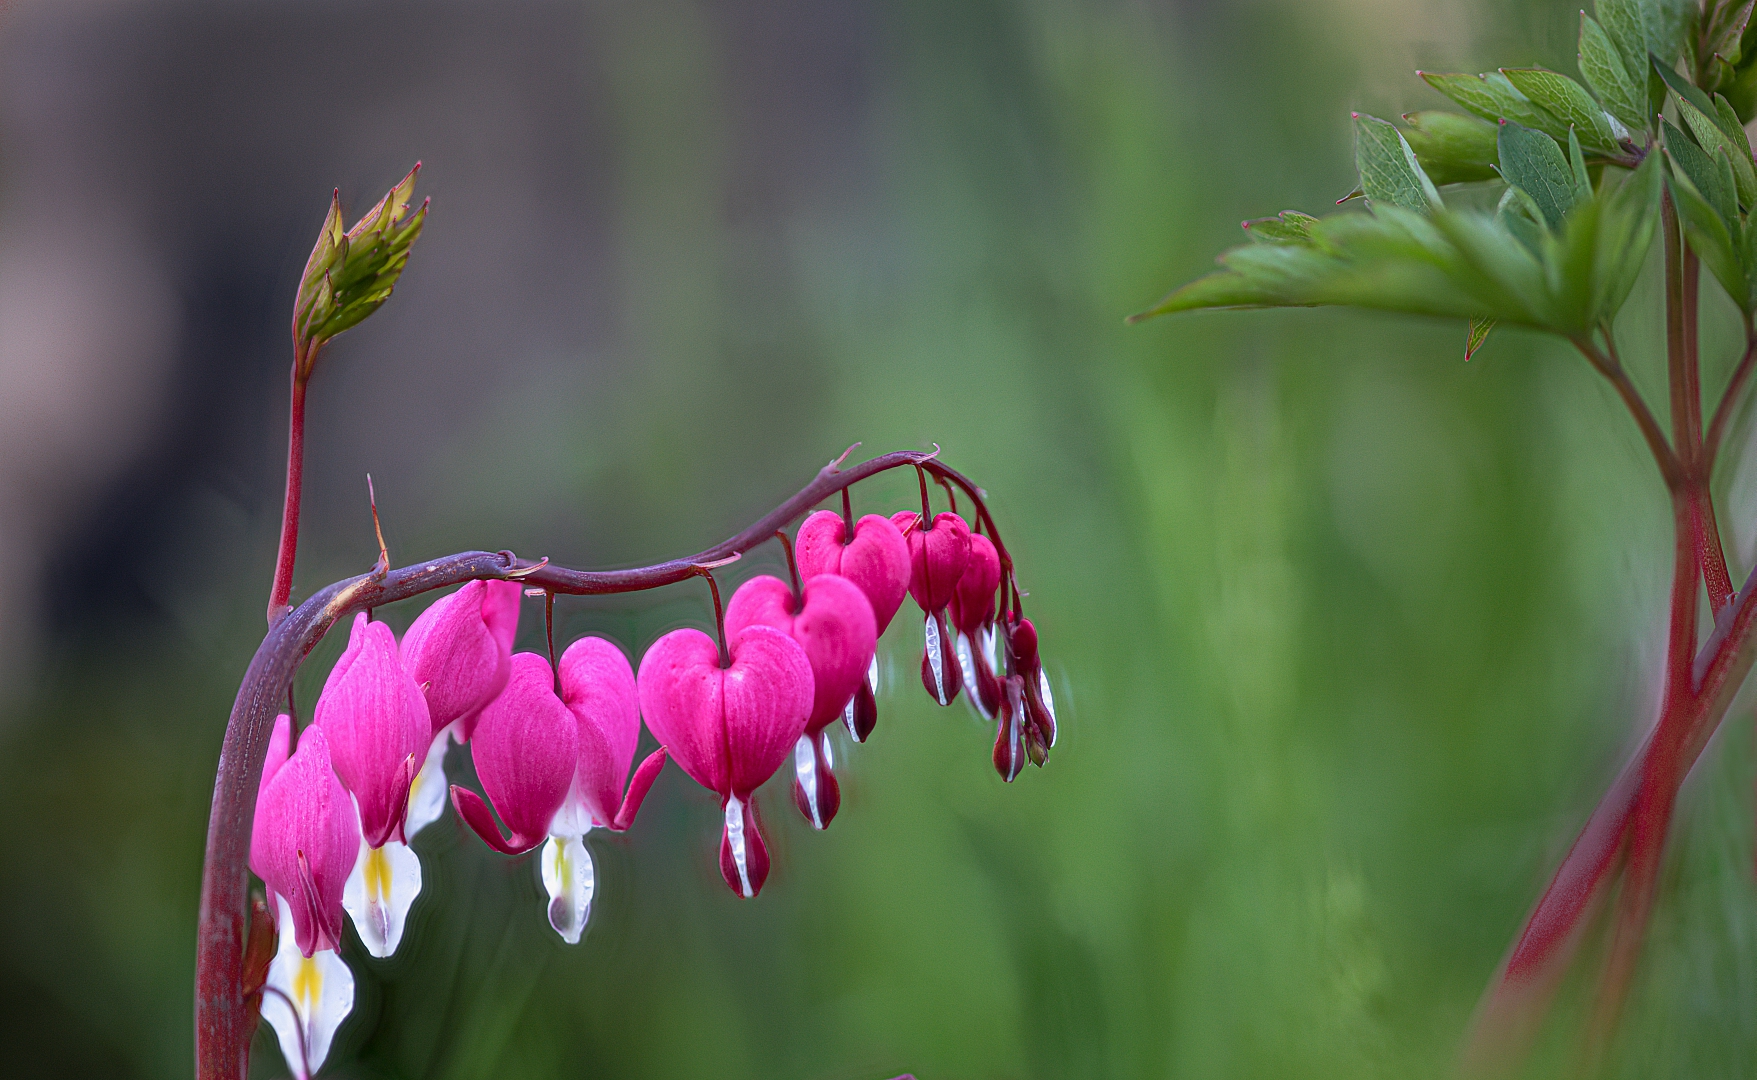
972, 616
833, 622
459, 651
1027, 726
937, 554
305, 836
876, 558
729, 728
377, 725
598, 688
526, 748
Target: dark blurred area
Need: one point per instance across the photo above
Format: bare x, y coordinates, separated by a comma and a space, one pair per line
1347, 635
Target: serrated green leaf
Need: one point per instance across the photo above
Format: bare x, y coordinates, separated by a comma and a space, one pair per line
1564, 98
1476, 335
1602, 67
1532, 162
1288, 227
1389, 172
1712, 243
1452, 148
1493, 98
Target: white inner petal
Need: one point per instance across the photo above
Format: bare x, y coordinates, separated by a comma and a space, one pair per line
805, 770
305, 1001
1048, 699
848, 719
872, 674
735, 839
570, 880
967, 664
382, 885
934, 659
985, 641
427, 793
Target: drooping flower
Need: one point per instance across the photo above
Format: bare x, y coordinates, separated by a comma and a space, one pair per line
526, 747
305, 836
1027, 728
729, 728
305, 999
972, 616
832, 621
598, 688
459, 652
378, 726
876, 558
937, 554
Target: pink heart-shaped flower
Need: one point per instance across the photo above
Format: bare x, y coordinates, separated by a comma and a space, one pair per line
937, 554
972, 604
376, 723
598, 688
876, 559
729, 728
526, 748
305, 838
834, 625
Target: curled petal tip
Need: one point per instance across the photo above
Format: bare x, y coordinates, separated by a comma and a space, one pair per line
474, 811
638, 788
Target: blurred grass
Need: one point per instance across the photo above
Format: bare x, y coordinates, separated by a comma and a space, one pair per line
1347, 635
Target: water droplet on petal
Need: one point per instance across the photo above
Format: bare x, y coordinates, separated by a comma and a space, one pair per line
570, 879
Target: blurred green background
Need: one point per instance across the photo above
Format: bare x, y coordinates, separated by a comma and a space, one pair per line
1347, 635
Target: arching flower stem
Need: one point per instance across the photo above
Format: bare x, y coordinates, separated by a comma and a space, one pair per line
223, 1024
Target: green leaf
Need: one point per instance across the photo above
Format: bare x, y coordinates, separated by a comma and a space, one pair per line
1478, 333
1682, 86
1731, 124
1493, 98
1712, 242
1626, 229
1668, 23
1452, 148
1532, 162
1709, 134
1288, 227
1602, 68
1566, 99
1389, 172
1726, 25
1694, 164
1518, 213
1577, 166
1623, 24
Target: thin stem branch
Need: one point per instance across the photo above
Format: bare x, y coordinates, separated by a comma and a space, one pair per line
1670, 469
282, 589
1729, 400
221, 1019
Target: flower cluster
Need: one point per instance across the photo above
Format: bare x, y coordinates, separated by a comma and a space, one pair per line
553, 744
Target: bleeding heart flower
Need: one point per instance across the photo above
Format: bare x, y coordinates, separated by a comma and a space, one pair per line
833, 622
377, 725
729, 728
459, 651
526, 748
1027, 716
598, 688
877, 560
937, 555
305, 836
972, 616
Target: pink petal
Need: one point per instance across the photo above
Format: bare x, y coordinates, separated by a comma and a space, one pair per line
476, 815
280, 742
376, 722
877, 560
304, 841
680, 693
455, 657
767, 697
526, 747
500, 610
834, 626
973, 600
598, 687
937, 554
638, 788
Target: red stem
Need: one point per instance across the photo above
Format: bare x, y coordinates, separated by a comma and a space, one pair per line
282, 590
223, 1025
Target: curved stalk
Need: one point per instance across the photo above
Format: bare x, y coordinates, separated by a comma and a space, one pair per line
223, 1025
